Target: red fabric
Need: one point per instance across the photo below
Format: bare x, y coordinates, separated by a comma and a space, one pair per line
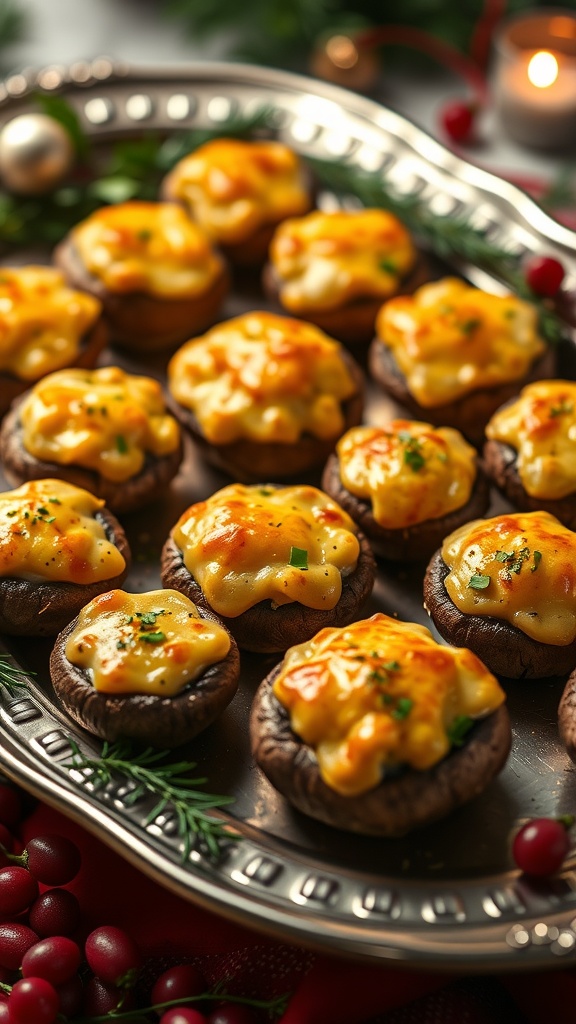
325, 990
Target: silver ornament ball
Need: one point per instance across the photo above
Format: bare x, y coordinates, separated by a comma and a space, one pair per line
36, 152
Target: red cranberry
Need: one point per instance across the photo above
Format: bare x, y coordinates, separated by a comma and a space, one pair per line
541, 845
544, 275
178, 983
457, 120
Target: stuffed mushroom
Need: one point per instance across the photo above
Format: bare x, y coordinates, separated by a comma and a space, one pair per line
148, 667
154, 271
59, 548
452, 354
104, 430
275, 563
406, 485
377, 729
506, 587
265, 397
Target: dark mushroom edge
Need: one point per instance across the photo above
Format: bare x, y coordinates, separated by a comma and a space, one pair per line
405, 800
147, 486
506, 650
161, 722
567, 717
407, 544
470, 413
265, 629
43, 608
250, 461
141, 321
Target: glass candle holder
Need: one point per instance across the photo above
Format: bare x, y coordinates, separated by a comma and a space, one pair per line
534, 81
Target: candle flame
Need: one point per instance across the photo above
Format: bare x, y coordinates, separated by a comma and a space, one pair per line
543, 69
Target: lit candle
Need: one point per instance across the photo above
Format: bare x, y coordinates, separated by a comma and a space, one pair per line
535, 79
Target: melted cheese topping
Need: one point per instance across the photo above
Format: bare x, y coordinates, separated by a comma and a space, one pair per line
380, 693
240, 543
48, 532
233, 188
263, 377
151, 643
326, 260
520, 568
409, 471
105, 420
42, 321
541, 426
147, 247
449, 339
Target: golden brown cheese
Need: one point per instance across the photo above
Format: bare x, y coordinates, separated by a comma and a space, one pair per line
48, 531
263, 377
147, 247
152, 643
328, 259
233, 188
520, 568
381, 693
248, 544
42, 321
409, 471
449, 339
541, 426
105, 420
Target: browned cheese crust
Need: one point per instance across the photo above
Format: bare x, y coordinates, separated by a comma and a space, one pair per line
266, 629
506, 650
401, 802
139, 321
91, 345
501, 463
352, 324
148, 486
250, 461
468, 414
162, 722
411, 543
43, 608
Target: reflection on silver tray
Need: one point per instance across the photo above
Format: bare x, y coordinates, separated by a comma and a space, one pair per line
448, 895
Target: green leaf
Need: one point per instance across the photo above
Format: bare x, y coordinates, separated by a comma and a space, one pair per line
479, 581
113, 189
153, 638
61, 111
298, 558
459, 729
403, 708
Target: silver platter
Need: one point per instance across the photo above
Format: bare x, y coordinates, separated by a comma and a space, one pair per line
448, 896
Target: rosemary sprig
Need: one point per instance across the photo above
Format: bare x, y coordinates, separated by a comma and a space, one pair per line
170, 782
446, 236
12, 678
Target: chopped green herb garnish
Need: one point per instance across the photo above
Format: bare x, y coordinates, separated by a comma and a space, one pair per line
148, 618
43, 511
390, 266
50, 519
54, 501
153, 638
504, 556
563, 409
128, 619
265, 492
403, 708
537, 556
121, 645
479, 582
470, 325
413, 452
459, 729
121, 445
298, 558
11, 514
392, 666
144, 235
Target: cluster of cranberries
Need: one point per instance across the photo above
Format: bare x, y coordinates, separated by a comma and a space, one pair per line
48, 974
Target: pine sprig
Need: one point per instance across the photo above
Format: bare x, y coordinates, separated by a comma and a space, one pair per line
446, 236
12, 678
173, 785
